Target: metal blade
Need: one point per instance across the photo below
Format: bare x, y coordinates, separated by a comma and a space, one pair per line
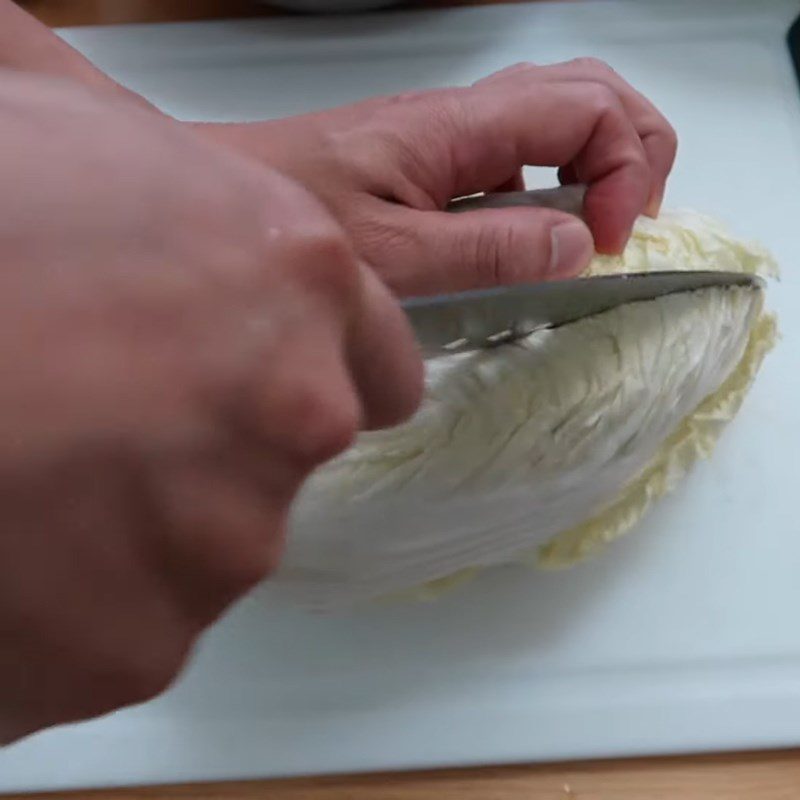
487, 318
567, 198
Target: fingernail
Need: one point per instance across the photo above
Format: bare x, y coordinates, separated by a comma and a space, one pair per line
571, 247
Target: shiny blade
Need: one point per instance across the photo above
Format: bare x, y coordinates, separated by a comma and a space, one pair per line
486, 318
567, 198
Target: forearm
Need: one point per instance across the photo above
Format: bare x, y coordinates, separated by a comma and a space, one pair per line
28, 45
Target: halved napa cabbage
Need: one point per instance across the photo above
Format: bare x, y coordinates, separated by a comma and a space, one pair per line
550, 447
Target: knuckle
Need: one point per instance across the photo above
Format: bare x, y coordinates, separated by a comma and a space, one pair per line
243, 566
602, 99
661, 144
519, 66
410, 96
145, 684
327, 423
671, 138
388, 245
493, 253
636, 158
136, 676
590, 64
323, 259
633, 161
328, 249
446, 109
327, 245
418, 101
231, 536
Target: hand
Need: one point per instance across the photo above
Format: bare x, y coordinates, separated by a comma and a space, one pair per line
387, 167
185, 337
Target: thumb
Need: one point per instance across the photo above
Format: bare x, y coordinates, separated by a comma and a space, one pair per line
446, 252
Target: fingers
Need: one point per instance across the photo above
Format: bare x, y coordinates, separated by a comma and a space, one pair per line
498, 126
436, 252
356, 362
384, 357
658, 137
581, 117
354, 365
341, 354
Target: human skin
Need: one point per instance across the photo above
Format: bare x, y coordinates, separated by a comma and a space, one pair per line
386, 167
185, 337
194, 316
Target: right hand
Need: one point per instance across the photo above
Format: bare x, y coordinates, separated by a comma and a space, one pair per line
185, 336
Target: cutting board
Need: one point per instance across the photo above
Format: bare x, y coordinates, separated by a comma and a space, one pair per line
682, 637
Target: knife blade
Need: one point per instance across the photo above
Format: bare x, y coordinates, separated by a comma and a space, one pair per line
479, 319
567, 198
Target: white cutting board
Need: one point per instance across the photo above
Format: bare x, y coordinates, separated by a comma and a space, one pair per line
683, 637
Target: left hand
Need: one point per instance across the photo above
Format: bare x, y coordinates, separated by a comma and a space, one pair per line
387, 167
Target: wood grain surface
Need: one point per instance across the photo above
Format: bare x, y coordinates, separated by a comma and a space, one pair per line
747, 776
743, 776
113, 12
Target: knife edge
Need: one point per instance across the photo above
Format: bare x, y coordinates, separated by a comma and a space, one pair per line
485, 318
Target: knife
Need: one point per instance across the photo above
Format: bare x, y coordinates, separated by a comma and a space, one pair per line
475, 320
567, 198
487, 318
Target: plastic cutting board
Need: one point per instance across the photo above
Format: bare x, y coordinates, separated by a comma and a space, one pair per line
682, 637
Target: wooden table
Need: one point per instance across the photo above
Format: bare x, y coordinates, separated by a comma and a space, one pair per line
750, 776
744, 776
110, 12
